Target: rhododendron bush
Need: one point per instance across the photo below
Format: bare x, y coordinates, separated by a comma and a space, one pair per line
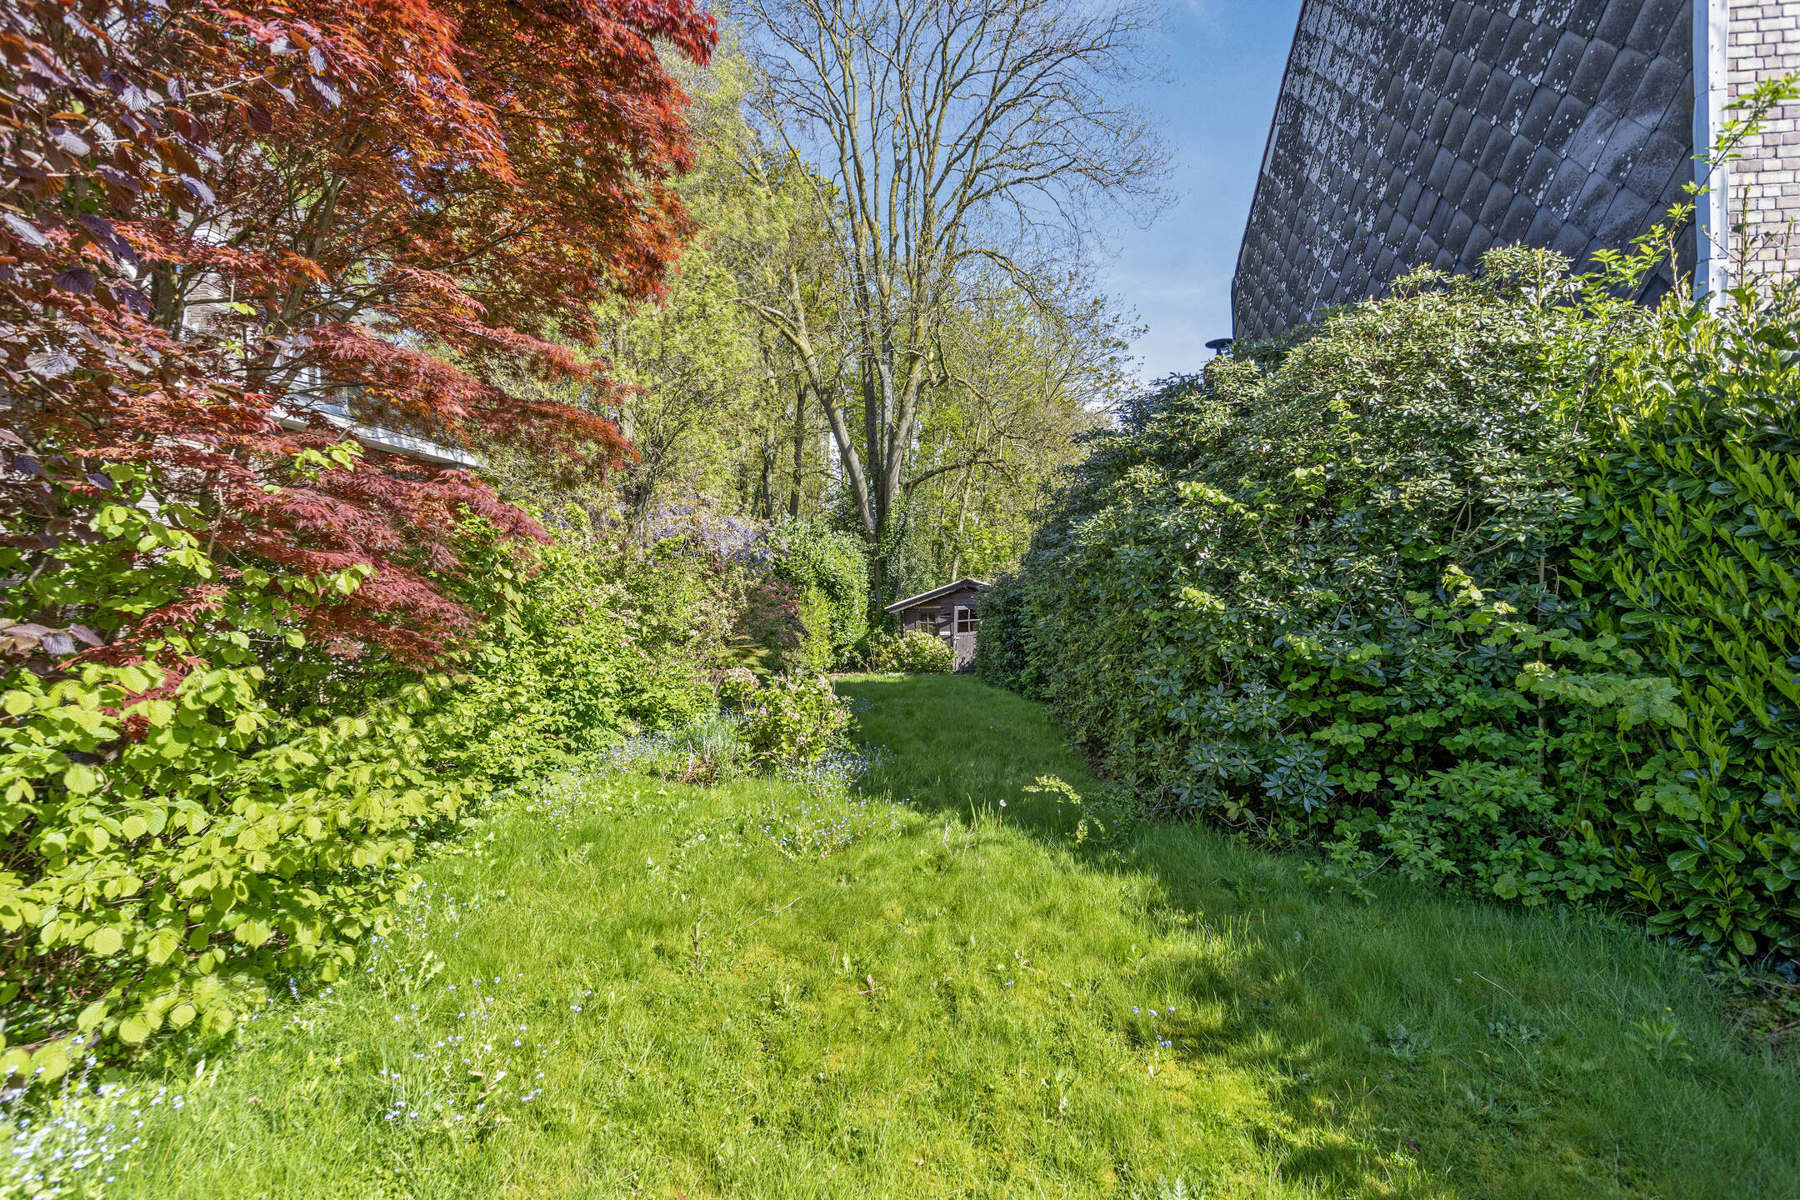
232, 636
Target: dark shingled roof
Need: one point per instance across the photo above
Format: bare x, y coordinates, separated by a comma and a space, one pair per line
1423, 132
934, 593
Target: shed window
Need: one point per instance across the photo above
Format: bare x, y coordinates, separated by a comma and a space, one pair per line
966, 620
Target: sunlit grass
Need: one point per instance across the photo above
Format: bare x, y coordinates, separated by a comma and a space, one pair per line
626, 987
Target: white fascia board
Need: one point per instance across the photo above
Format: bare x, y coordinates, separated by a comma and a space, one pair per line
391, 440
1712, 92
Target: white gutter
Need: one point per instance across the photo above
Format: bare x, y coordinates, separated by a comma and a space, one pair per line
1712, 92
377, 437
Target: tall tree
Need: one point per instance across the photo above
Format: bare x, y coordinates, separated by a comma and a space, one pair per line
712, 403
1021, 379
944, 133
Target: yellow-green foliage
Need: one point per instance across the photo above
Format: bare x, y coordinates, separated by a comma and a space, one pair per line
171, 848
831, 571
791, 721
148, 874
1692, 555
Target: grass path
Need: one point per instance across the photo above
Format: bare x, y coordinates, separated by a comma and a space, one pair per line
629, 988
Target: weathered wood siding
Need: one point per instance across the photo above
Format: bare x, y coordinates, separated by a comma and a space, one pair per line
938, 618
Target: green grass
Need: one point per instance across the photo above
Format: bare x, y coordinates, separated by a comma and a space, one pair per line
749, 992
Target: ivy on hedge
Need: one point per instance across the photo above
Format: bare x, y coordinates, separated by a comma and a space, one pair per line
830, 569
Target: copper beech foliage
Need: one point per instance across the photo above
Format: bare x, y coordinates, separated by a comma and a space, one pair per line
214, 214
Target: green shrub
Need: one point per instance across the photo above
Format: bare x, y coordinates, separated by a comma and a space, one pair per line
735, 687
170, 849
1299, 596
1691, 555
792, 721
245, 803
1000, 651
788, 723
914, 652
179, 827
815, 652
1394, 591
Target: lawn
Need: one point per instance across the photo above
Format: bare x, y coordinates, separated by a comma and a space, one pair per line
623, 987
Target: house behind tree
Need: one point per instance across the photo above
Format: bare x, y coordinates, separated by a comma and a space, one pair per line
951, 612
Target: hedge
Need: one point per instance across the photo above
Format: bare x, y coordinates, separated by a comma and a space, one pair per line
1491, 582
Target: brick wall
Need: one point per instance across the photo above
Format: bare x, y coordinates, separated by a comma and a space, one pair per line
1764, 43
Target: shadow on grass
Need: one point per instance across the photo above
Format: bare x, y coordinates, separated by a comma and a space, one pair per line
1416, 1045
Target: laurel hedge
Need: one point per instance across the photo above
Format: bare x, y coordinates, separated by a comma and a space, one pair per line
1690, 553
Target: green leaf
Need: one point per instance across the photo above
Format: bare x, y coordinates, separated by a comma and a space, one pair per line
91, 1016
135, 679
162, 946
106, 942
51, 1062
253, 933
80, 779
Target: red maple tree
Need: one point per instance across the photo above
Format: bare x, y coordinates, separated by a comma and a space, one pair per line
216, 216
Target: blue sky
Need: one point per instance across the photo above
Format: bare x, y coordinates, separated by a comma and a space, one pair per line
1222, 62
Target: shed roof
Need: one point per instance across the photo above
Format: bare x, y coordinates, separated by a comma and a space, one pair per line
934, 593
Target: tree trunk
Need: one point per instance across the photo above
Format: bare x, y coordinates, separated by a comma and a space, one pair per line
799, 447
962, 525
765, 482
878, 616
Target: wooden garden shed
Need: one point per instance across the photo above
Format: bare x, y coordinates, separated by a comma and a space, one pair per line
951, 612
